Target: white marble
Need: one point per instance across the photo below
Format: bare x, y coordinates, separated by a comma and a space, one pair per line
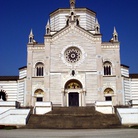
128, 115
104, 107
14, 117
42, 107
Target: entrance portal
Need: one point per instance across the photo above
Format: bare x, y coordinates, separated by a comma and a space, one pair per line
73, 99
73, 93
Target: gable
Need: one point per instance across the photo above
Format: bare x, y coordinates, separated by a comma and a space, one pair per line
78, 31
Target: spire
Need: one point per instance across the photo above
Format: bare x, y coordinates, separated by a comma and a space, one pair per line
48, 23
115, 35
31, 33
48, 27
96, 21
31, 37
97, 26
72, 4
115, 31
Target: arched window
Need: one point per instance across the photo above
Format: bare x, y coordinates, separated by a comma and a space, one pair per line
39, 69
31, 40
48, 31
97, 29
3, 96
115, 38
107, 68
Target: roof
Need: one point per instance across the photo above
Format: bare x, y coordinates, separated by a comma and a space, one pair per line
133, 75
23, 67
124, 65
9, 78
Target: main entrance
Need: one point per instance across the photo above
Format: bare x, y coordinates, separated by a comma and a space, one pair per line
73, 94
73, 99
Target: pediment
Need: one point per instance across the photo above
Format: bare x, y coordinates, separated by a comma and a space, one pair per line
78, 31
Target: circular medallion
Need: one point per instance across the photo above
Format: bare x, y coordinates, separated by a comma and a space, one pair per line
73, 55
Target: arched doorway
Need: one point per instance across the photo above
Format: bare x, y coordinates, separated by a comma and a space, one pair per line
73, 89
39, 94
108, 92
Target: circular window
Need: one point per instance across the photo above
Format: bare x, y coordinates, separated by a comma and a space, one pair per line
72, 55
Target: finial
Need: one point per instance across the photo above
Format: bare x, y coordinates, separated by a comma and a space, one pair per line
96, 21
48, 23
31, 33
115, 31
72, 4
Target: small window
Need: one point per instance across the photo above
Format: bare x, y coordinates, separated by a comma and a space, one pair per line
115, 37
108, 98
39, 99
48, 31
77, 22
72, 13
31, 39
97, 29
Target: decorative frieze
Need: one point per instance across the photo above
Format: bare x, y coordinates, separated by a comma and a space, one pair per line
110, 46
36, 48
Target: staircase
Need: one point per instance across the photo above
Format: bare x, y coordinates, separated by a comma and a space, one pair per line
73, 118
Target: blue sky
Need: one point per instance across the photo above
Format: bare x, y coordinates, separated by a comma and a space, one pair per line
17, 17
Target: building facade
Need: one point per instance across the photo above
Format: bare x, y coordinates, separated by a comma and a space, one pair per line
73, 67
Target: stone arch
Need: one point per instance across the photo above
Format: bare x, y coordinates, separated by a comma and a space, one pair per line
108, 91
73, 84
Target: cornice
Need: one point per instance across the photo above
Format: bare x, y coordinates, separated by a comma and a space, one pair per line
67, 10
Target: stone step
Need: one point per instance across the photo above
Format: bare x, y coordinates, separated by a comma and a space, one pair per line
73, 118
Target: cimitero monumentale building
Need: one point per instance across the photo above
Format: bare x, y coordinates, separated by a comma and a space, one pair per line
73, 67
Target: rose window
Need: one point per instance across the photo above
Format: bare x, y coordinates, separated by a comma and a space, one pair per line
72, 55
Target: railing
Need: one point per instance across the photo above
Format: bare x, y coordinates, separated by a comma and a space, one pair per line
4, 114
117, 113
27, 118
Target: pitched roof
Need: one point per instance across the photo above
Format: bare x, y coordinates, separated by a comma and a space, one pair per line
133, 75
9, 78
124, 65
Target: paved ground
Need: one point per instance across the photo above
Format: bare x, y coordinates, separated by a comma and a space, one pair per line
93, 133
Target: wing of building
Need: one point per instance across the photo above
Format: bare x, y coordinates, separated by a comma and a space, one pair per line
73, 67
